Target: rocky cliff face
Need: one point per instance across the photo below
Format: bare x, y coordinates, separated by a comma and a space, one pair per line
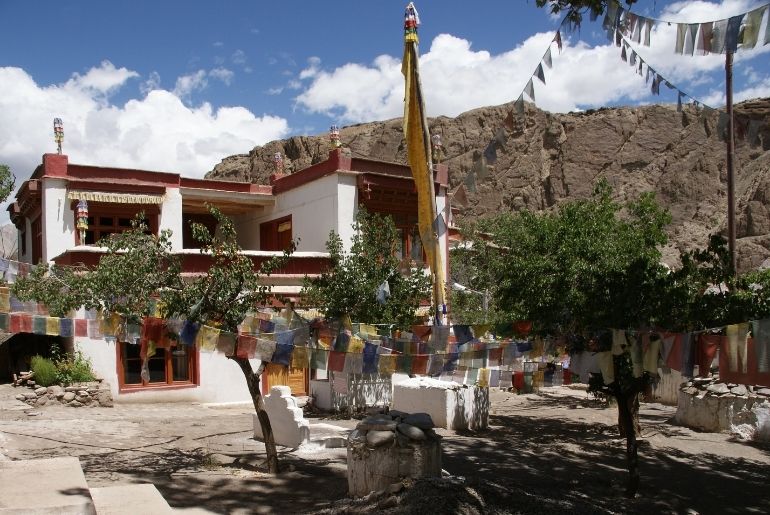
509, 162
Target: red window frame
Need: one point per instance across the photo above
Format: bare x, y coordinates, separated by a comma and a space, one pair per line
166, 357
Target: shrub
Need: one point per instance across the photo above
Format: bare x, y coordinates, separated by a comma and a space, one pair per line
45, 371
74, 369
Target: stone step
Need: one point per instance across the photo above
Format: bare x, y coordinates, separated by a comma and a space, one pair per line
129, 499
50, 485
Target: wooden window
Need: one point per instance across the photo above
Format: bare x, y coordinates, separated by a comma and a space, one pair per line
106, 219
275, 234
176, 366
37, 240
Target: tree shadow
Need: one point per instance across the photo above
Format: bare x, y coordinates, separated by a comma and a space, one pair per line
586, 461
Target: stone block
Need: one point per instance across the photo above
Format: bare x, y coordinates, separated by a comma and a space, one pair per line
68, 396
449, 405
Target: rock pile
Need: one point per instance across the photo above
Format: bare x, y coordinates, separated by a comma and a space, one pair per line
387, 448
96, 393
394, 427
711, 386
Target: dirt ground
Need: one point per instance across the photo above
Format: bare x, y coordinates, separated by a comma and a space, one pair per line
556, 451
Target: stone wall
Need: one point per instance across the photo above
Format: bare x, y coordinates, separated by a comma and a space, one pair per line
707, 404
96, 393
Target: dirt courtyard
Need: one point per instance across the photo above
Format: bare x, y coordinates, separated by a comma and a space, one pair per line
553, 451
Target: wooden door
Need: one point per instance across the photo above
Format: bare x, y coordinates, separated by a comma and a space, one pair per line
295, 378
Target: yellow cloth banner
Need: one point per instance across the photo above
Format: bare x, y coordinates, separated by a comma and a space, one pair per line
208, 337
356, 344
387, 364
5, 302
300, 358
52, 326
418, 154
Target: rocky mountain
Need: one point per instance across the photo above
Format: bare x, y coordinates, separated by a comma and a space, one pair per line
535, 160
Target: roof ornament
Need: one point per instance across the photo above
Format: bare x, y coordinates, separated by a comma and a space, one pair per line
437, 148
58, 133
278, 162
334, 137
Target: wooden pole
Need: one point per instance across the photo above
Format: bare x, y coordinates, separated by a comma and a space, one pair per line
730, 152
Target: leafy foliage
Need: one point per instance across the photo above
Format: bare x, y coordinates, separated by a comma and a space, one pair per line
7, 182
575, 9
350, 285
592, 263
231, 288
72, 368
136, 267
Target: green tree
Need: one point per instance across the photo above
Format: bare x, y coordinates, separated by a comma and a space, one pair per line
139, 268
7, 182
575, 9
591, 264
350, 285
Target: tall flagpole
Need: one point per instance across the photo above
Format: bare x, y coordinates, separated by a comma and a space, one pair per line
730, 152
418, 148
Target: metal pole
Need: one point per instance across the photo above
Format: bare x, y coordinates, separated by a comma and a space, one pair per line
730, 152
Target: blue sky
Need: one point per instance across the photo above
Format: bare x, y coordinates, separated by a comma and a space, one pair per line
178, 85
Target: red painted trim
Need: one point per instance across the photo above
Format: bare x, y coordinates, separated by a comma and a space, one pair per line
117, 186
99, 173
201, 263
213, 184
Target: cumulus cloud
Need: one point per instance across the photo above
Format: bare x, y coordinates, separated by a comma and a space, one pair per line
222, 74
156, 132
457, 77
187, 84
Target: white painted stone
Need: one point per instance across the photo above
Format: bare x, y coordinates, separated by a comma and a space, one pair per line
290, 428
450, 405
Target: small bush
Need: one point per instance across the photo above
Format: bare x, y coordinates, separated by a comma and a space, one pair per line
74, 369
45, 371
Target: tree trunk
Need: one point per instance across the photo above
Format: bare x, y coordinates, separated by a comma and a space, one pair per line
628, 416
252, 380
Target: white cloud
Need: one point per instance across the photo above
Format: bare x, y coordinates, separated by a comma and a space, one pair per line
457, 78
314, 64
218, 44
238, 57
157, 132
187, 84
222, 74
152, 82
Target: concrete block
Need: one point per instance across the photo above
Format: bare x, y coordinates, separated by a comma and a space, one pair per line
450, 405
51, 485
129, 499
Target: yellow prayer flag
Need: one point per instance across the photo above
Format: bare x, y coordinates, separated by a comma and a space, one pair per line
208, 337
5, 302
387, 364
52, 326
417, 139
300, 358
356, 344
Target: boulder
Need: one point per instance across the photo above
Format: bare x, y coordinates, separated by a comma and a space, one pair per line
739, 390
413, 432
718, 389
378, 438
421, 420
68, 396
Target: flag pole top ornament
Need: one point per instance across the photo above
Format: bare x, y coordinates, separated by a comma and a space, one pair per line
411, 22
58, 133
334, 137
278, 162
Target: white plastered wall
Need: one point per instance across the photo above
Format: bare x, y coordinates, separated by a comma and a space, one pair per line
57, 217
316, 208
171, 217
443, 240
